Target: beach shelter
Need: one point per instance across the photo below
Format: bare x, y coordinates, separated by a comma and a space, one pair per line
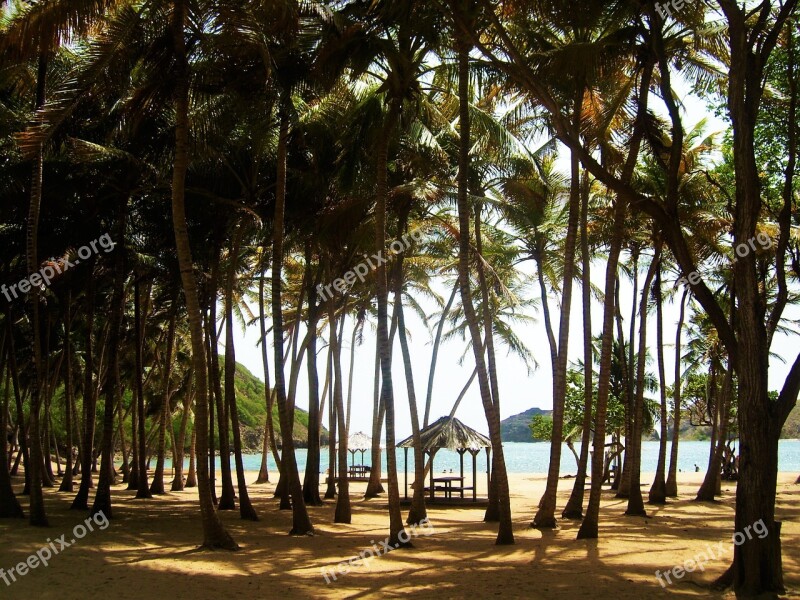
450, 433
358, 442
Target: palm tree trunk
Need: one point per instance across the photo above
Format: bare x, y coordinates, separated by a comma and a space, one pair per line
9, 505
417, 512
435, 354
330, 491
165, 414
545, 517
574, 507
214, 535
343, 510
505, 533
396, 528
374, 485
18, 399
246, 510
179, 447
81, 501
311, 478
227, 500
589, 525
635, 500
672, 477
38, 516
301, 523
112, 392
709, 488
658, 491
143, 490
357, 326
133, 478
622, 480
208, 339
66, 482
191, 476
269, 393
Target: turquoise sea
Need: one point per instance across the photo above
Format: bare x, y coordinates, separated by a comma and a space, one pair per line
534, 457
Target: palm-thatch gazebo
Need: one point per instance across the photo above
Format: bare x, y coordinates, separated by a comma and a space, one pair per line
450, 433
358, 442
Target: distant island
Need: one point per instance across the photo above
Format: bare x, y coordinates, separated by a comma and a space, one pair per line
517, 427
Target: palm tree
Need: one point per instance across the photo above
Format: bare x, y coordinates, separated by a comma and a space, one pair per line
505, 533
671, 486
214, 534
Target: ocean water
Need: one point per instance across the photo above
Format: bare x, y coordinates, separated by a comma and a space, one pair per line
534, 458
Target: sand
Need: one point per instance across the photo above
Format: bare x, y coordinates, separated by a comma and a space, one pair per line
149, 550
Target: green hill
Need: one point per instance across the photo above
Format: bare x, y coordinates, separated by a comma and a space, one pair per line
517, 428
251, 404
792, 428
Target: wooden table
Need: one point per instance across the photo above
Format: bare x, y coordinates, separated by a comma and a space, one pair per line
448, 488
357, 471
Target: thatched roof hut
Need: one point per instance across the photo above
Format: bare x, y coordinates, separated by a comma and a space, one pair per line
450, 433
358, 441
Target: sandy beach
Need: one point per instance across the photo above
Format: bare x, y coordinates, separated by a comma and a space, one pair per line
150, 550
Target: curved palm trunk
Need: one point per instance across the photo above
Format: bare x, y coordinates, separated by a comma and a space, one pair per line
214, 535
435, 354
492, 513
711, 482
505, 533
333, 428
165, 414
634, 445
374, 485
672, 476
301, 523
81, 501
112, 392
658, 491
351, 368
396, 528
227, 499
417, 512
179, 447
545, 517
269, 393
589, 525
343, 512
246, 510
574, 507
